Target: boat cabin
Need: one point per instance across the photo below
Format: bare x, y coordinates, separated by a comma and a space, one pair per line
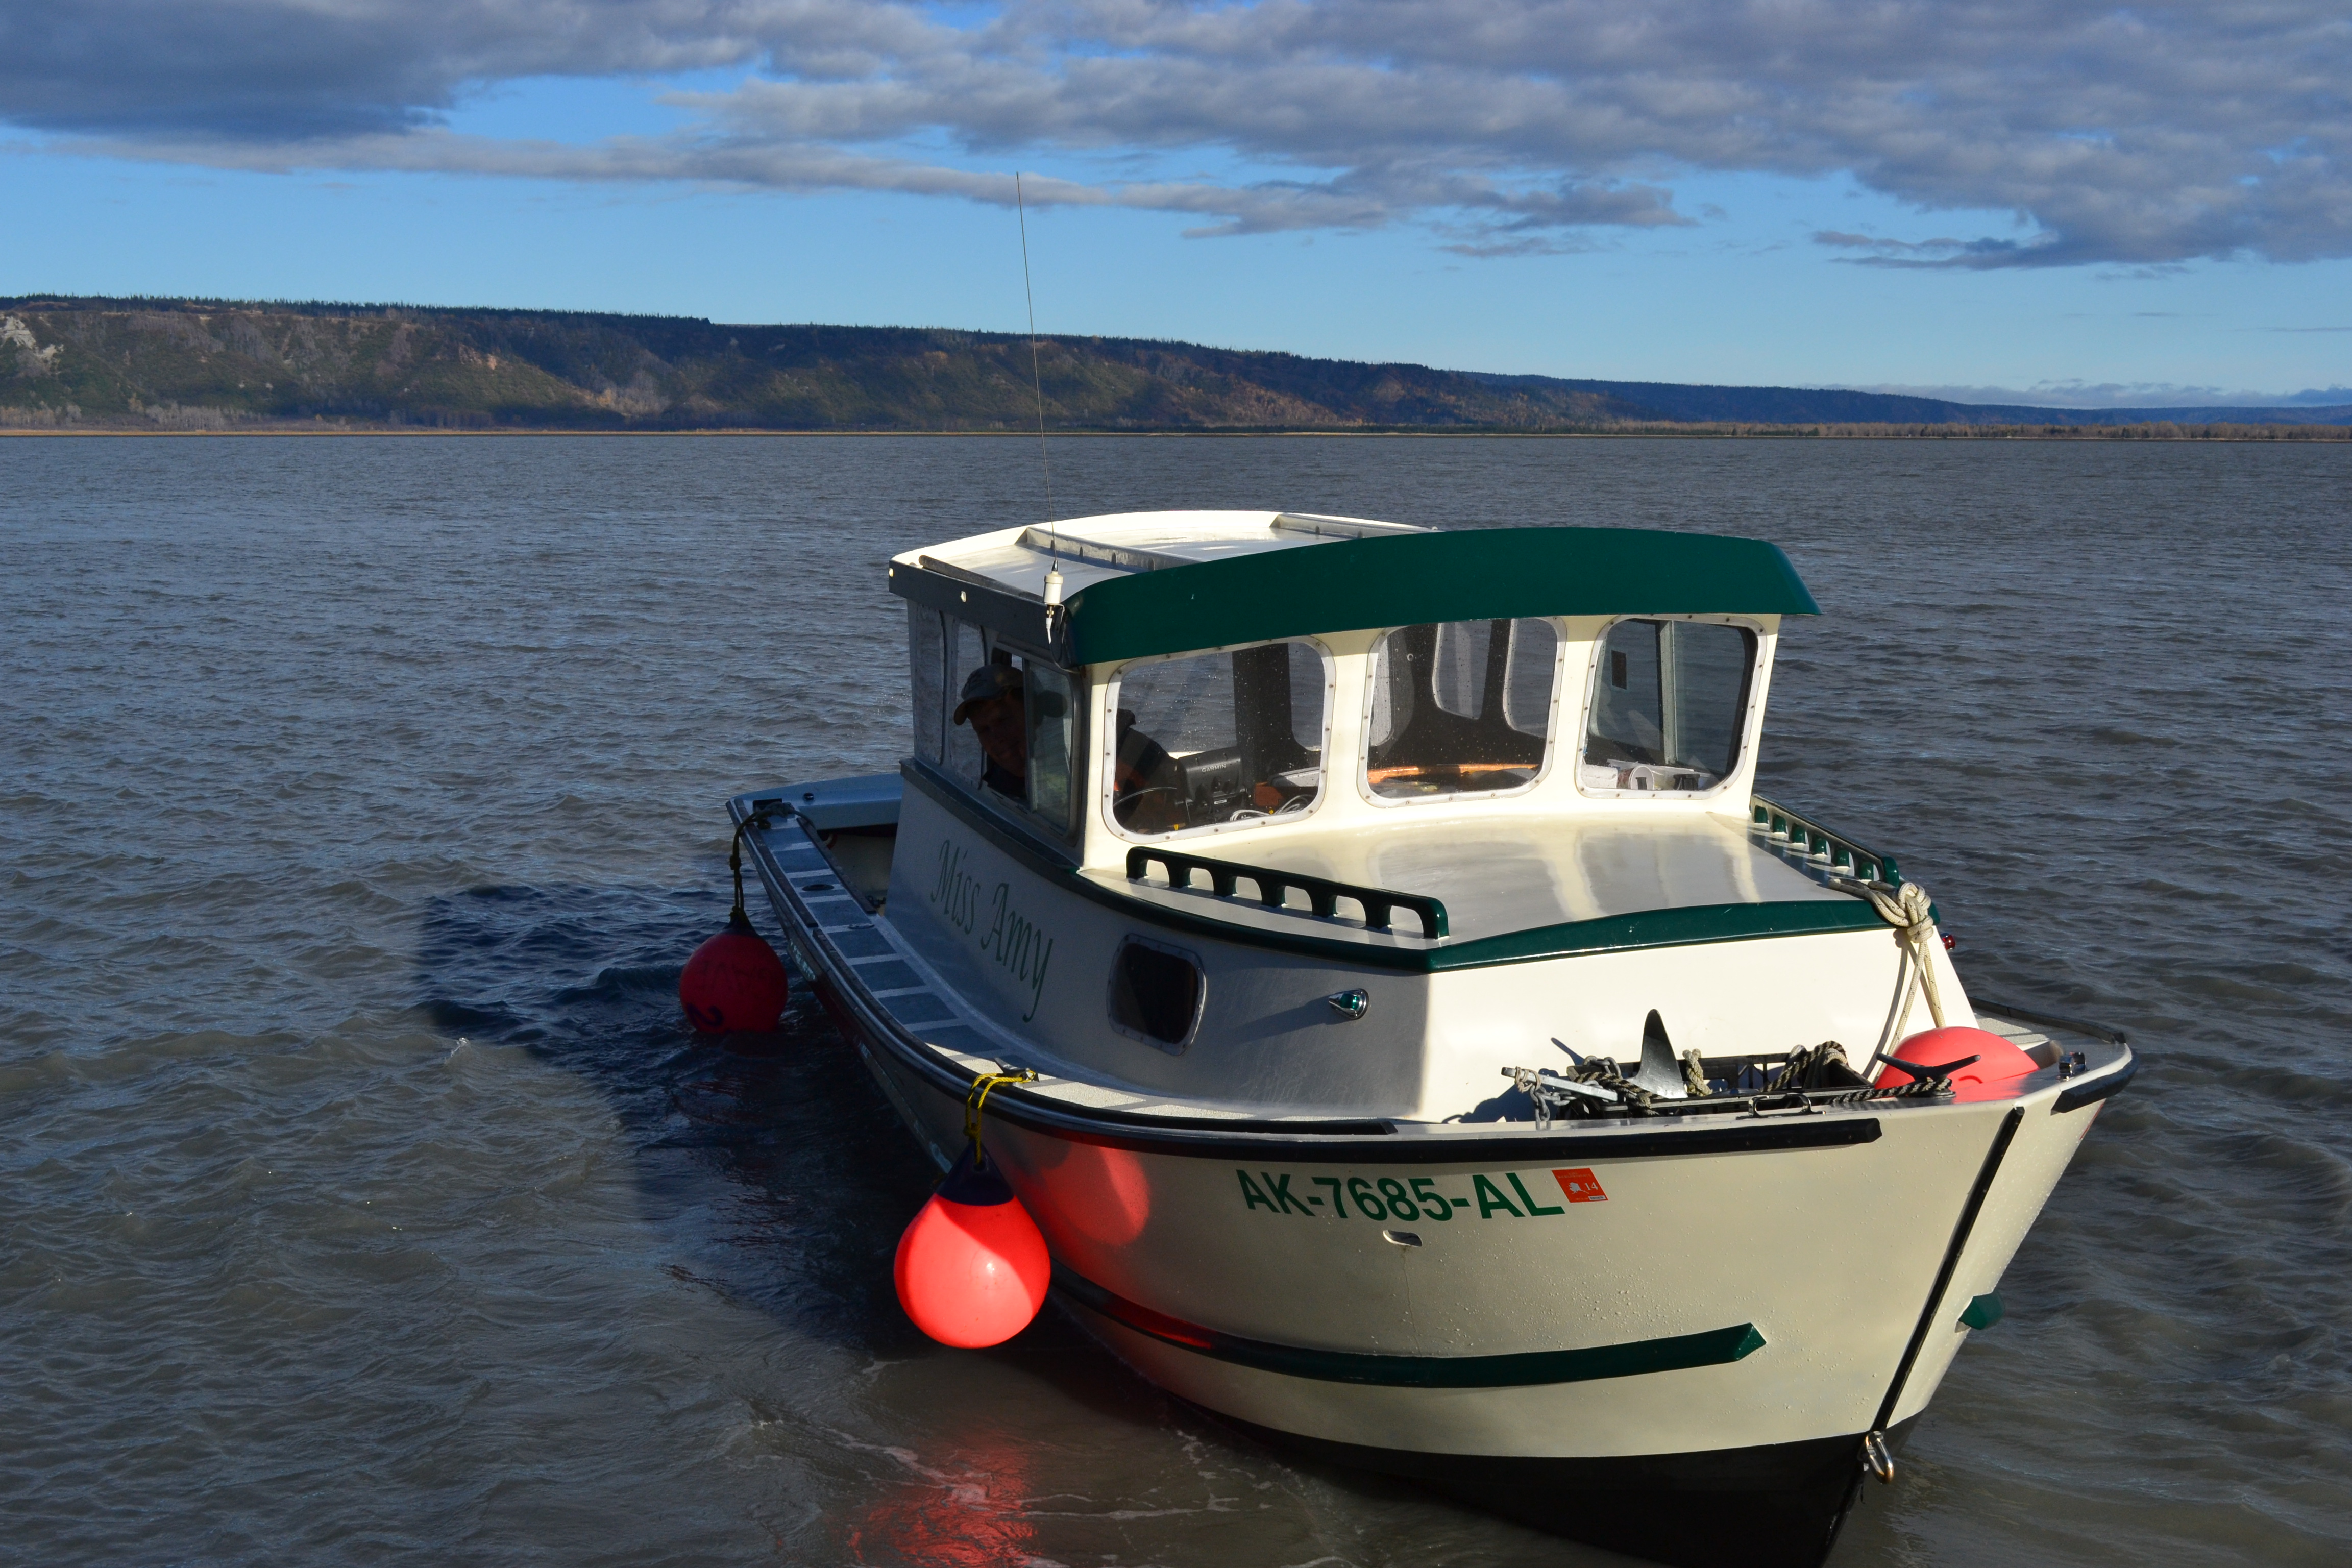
1232, 683
1186, 787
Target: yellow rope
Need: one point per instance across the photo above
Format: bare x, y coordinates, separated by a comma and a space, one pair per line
975, 1102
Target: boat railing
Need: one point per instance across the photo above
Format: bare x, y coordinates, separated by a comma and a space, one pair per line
1380, 905
1822, 849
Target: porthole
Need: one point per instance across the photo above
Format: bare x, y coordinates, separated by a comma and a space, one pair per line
1156, 993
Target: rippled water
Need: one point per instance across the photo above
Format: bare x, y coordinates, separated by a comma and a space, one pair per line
361, 1195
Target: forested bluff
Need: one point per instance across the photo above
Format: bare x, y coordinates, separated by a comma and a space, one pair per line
101, 364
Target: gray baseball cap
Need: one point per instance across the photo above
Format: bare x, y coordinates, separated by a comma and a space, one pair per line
986, 684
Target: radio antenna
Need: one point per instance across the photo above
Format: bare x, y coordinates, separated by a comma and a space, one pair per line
1038, 385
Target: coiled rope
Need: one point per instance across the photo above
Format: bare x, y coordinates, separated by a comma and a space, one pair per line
1802, 1073
1804, 1065
1603, 1072
1911, 912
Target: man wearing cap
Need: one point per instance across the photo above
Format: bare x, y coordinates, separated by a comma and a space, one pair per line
1147, 787
994, 702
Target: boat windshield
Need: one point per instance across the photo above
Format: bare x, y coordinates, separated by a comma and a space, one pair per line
1218, 739
1669, 705
1460, 708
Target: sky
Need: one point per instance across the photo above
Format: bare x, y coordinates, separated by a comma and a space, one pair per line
1994, 200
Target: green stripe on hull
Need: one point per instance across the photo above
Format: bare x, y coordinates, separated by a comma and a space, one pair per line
1711, 1347
1662, 927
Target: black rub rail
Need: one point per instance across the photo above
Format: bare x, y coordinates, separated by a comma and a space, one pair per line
1274, 889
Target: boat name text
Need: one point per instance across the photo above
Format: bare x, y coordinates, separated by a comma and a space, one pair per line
1019, 946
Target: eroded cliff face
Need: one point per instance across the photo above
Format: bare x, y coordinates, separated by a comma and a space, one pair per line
199, 366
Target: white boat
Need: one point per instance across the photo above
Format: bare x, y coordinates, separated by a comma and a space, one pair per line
1416, 1016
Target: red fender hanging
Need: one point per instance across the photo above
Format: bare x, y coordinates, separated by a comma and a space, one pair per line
735, 980
971, 1268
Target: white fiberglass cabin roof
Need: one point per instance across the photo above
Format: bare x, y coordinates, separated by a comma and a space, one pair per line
1138, 583
1090, 550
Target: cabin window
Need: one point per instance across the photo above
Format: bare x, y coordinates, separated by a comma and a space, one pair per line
1011, 729
1460, 708
1156, 993
1669, 706
967, 652
1053, 712
1217, 739
926, 670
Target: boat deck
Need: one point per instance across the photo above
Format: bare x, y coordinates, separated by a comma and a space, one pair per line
900, 993
1524, 874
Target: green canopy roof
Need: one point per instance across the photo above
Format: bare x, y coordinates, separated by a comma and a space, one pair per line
1390, 580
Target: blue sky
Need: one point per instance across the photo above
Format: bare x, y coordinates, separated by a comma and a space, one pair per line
2009, 201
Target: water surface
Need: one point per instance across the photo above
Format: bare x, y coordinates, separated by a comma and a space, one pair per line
364, 1198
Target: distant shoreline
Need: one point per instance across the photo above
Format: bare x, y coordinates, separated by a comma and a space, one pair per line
2258, 435
174, 366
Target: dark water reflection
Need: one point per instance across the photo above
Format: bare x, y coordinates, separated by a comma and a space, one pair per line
365, 1197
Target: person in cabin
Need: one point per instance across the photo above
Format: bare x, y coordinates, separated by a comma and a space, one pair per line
1148, 795
994, 702
1147, 790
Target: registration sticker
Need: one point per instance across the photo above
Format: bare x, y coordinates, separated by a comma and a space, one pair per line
1580, 1185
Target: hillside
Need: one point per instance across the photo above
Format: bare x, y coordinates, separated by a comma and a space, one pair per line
207, 364
139, 361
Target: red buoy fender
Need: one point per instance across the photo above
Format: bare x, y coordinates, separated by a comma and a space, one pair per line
734, 981
971, 1268
1989, 1077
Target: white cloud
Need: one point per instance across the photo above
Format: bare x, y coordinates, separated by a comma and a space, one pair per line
2145, 136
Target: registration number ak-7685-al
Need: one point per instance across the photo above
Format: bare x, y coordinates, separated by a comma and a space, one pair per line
1506, 1196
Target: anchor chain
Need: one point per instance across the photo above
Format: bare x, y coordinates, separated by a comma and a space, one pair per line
1595, 1078
1549, 1089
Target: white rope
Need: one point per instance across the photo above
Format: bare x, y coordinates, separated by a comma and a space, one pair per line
1907, 909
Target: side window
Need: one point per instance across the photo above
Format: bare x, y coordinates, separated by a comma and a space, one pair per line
1460, 706
967, 652
1156, 993
1669, 702
1214, 738
1013, 729
1053, 714
926, 663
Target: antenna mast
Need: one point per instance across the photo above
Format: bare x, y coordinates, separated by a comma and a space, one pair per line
1037, 379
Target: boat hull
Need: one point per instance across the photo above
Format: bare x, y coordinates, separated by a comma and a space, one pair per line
1779, 1505
1667, 1337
